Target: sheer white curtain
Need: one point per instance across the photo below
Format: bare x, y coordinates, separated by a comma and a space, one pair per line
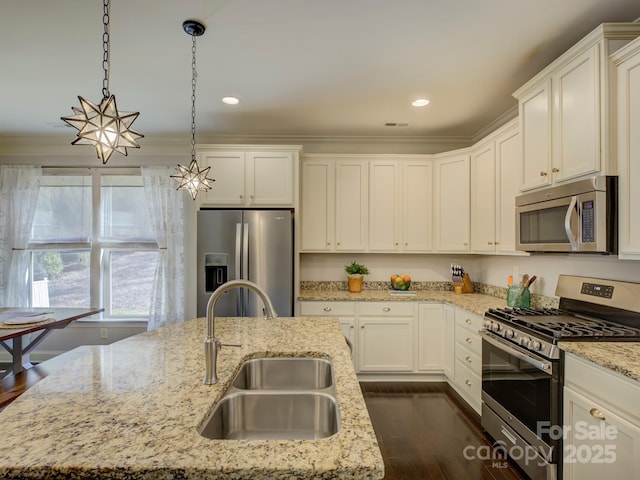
18, 195
166, 208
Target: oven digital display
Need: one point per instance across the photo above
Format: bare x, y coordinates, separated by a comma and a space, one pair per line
597, 290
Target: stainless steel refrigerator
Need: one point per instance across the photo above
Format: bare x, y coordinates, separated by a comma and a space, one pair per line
255, 245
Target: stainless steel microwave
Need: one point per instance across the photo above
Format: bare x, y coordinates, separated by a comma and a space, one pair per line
579, 217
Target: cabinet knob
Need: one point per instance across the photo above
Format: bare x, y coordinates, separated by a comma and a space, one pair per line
468, 359
328, 243
406, 244
396, 244
338, 243
241, 197
543, 174
489, 243
386, 309
362, 327
468, 321
351, 327
251, 196
468, 340
595, 413
496, 243
467, 382
327, 309
466, 243
555, 170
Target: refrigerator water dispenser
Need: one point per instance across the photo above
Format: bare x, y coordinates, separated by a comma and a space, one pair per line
216, 267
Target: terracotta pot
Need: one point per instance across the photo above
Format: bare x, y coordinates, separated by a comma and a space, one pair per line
355, 283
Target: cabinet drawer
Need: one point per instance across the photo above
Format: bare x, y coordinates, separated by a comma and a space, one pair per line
328, 309
468, 339
469, 320
468, 381
391, 309
470, 359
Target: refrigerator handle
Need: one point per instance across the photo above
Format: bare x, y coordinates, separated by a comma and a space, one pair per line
245, 267
237, 263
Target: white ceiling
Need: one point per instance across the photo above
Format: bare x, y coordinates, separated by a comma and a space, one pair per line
301, 67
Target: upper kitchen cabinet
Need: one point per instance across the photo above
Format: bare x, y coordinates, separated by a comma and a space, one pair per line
496, 163
334, 204
400, 205
451, 202
566, 111
247, 176
627, 62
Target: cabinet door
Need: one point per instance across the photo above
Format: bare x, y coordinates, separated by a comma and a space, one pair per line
228, 171
317, 205
348, 326
432, 335
508, 169
599, 444
535, 127
269, 178
452, 204
576, 117
351, 193
417, 206
384, 209
385, 344
628, 113
483, 194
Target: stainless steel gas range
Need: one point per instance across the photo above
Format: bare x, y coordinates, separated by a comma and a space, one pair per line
522, 374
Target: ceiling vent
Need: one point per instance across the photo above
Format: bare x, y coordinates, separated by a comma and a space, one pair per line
396, 124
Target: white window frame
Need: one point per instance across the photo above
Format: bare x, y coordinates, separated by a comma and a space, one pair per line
100, 291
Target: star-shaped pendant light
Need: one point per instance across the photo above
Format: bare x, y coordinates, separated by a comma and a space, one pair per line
193, 178
102, 125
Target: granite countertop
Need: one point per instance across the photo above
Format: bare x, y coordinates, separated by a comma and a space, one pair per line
621, 357
131, 410
473, 302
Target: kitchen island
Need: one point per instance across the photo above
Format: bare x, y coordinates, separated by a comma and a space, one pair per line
132, 410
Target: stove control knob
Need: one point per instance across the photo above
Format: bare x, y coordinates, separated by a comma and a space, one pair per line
487, 324
525, 342
496, 327
509, 333
535, 345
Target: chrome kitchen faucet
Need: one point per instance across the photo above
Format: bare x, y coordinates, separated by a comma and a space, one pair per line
213, 345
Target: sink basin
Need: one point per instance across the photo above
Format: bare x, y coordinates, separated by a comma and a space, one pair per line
284, 373
253, 415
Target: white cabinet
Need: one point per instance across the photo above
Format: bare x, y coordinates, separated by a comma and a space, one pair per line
602, 434
451, 203
334, 205
249, 178
468, 357
386, 337
400, 205
566, 112
627, 62
483, 197
435, 337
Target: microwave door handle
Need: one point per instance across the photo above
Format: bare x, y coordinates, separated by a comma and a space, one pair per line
567, 223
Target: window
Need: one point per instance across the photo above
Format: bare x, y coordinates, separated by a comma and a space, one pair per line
92, 242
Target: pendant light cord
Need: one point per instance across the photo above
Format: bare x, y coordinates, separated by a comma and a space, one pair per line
105, 49
194, 76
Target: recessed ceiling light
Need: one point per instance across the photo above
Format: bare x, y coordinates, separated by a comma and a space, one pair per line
420, 102
231, 100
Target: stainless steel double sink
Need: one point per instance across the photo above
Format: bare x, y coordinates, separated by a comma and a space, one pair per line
277, 398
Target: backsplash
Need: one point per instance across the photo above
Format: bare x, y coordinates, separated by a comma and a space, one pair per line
537, 301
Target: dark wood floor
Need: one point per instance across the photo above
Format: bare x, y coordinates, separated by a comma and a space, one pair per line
423, 430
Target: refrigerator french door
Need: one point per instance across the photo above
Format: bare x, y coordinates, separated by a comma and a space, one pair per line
254, 245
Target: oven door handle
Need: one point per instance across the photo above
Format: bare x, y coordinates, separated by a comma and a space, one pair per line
516, 352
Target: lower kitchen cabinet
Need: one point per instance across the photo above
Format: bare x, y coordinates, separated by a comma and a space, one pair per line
386, 337
435, 336
602, 436
468, 357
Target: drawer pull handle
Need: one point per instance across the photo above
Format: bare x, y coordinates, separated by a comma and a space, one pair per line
327, 309
555, 170
595, 413
468, 321
468, 340
468, 382
543, 173
468, 359
386, 309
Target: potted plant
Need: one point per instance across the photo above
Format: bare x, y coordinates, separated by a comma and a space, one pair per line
355, 272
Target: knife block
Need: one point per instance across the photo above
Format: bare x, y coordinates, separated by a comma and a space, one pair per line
467, 286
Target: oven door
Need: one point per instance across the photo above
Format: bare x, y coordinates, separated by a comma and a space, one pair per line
522, 389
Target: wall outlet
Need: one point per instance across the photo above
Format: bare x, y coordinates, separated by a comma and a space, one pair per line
104, 333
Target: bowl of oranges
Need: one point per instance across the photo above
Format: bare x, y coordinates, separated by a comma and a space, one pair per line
400, 282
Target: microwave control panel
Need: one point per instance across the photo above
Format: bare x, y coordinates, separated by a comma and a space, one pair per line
588, 222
